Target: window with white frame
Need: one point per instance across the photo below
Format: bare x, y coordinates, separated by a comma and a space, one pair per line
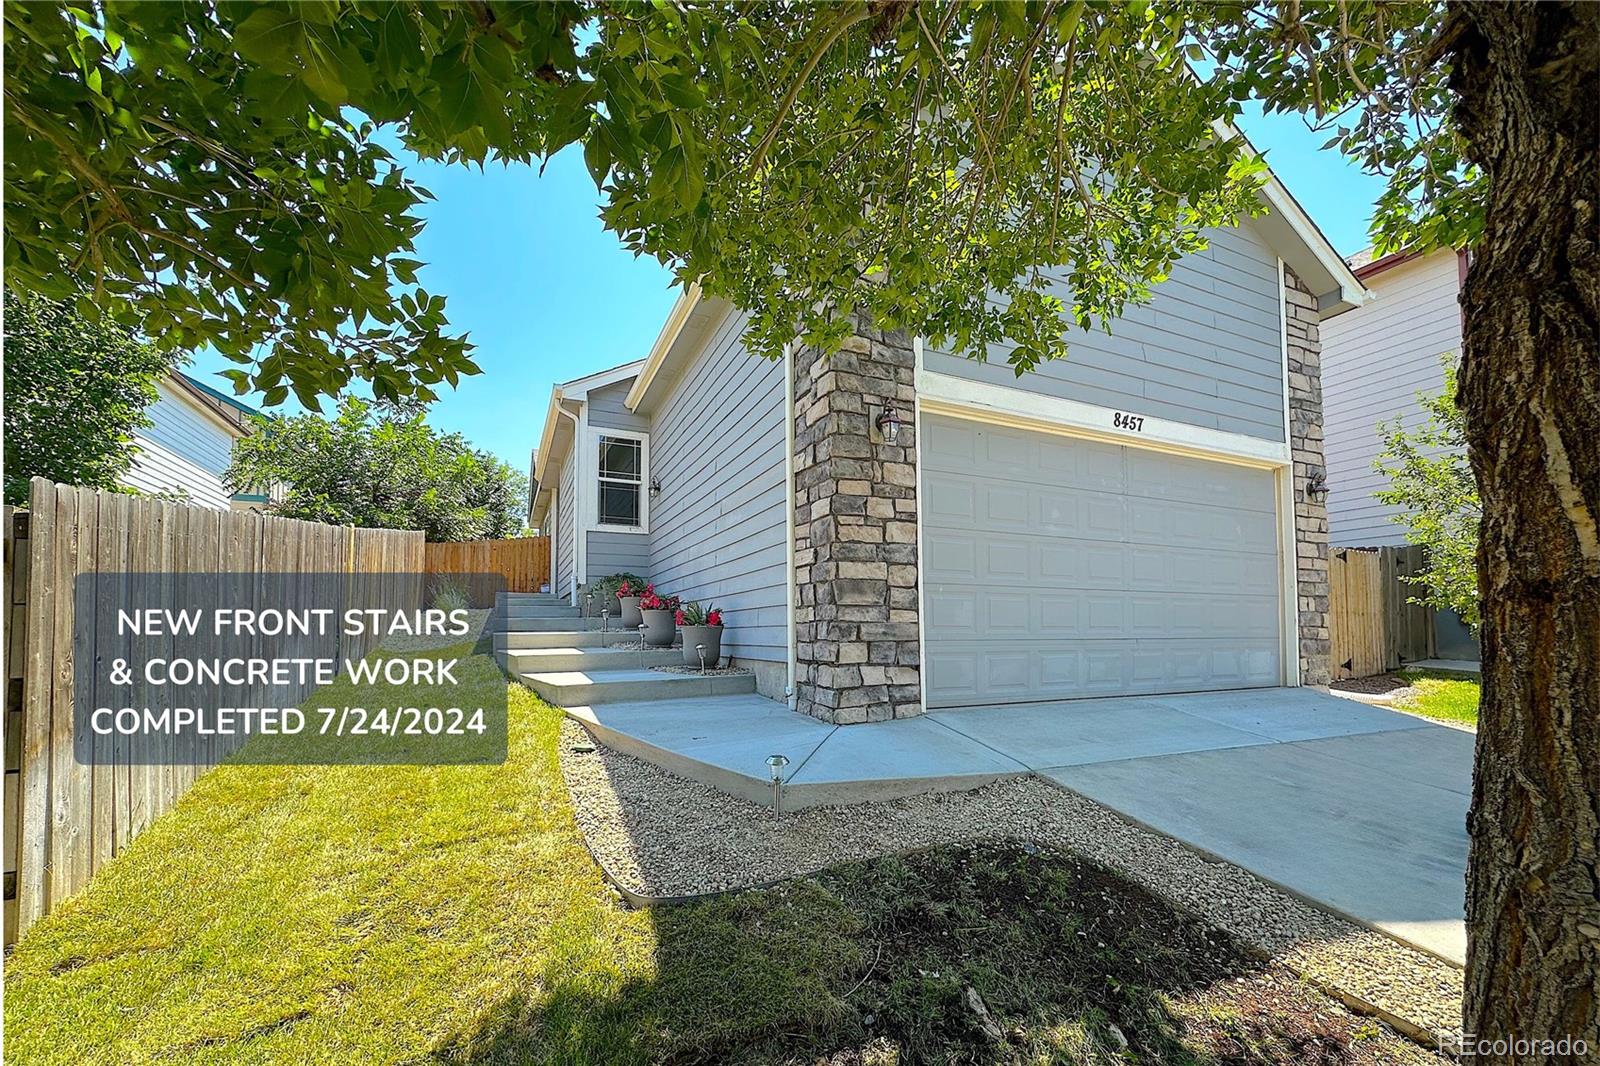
621, 482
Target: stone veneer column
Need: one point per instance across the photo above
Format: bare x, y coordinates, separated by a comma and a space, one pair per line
1310, 512
859, 656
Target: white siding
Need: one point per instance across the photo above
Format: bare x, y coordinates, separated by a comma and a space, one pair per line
1375, 359
717, 530
182, 450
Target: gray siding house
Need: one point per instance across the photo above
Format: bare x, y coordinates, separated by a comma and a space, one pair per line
896, 528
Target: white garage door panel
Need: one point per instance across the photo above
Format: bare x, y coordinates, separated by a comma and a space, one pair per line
1058, 568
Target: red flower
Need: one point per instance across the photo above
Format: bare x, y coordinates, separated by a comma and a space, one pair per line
714, 618
625, 589
678, 618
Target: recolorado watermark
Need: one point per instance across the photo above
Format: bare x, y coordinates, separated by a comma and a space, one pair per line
1470, 1046
175, 669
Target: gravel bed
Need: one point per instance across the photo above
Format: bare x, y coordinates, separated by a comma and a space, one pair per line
658, 834
714, 671
637, 645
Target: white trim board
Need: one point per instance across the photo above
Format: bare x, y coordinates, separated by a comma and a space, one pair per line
592, 435
947, 394
676, 318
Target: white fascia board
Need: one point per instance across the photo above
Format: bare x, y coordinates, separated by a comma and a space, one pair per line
543, 462
580, 388
1351, 293
676, 318
958, 397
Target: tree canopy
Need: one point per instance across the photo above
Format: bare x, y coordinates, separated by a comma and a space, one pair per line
76, 390
380, 466
215, 172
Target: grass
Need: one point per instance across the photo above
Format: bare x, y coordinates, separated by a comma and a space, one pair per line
452, 914
1443, 695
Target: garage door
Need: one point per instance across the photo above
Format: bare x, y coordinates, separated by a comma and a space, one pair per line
1057, 567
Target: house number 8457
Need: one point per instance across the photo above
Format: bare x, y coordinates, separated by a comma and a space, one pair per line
1133, 422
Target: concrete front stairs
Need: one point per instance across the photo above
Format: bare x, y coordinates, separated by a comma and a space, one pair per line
551, 648
715, 728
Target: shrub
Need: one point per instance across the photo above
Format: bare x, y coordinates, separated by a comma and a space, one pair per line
450, 595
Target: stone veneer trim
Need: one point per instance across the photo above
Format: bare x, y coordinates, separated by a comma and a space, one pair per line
1303, 333
857, 633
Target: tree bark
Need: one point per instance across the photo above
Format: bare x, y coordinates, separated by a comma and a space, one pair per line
1528, 97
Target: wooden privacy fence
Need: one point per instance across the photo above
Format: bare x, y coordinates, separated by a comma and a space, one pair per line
64, 819
1372, 628
524, 562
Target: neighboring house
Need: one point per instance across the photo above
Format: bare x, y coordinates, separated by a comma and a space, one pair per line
1375, 360
187, 446
898, 529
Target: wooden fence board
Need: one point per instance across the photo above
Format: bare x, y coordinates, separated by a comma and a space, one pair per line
1372, 626
524, 562
63, 819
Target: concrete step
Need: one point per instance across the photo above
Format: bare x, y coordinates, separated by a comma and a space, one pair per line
546, 598
581, 688
565, 624
724, 741
585, 659
538, 610
591, 638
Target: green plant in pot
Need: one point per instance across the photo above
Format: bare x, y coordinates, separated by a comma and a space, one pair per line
659, 615
702, 635
629, 590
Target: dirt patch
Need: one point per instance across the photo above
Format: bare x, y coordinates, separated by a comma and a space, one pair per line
1389, 685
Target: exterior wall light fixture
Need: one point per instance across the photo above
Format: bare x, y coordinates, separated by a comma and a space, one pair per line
889, 423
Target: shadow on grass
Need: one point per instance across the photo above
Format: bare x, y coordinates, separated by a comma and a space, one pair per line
993, 953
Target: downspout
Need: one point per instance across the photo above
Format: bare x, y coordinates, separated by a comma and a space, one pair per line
577, 524
791, 691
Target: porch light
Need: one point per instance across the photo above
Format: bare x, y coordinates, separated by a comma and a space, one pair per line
1317, 484
889, 423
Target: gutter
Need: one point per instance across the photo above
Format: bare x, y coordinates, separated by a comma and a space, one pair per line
791, 692
578, 536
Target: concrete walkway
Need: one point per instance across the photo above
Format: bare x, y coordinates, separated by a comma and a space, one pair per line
1459, 666
1356, 808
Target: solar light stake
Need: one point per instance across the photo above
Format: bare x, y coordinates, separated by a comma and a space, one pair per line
700, 650
776, 763
641, 645
605, 618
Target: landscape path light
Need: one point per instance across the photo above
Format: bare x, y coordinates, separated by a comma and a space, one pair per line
776, 763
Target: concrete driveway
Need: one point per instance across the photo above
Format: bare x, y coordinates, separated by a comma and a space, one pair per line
1356, 808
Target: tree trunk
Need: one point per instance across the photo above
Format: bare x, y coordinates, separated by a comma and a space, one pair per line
1525, 79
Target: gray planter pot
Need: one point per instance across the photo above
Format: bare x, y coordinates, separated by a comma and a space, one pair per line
710, 636
659, 628
630, 611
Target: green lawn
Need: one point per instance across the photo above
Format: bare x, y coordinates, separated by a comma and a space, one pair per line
452, 914
1440, 694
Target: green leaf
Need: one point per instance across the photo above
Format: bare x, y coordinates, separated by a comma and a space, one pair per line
271, 36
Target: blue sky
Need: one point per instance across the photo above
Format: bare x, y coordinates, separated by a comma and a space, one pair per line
547, 295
